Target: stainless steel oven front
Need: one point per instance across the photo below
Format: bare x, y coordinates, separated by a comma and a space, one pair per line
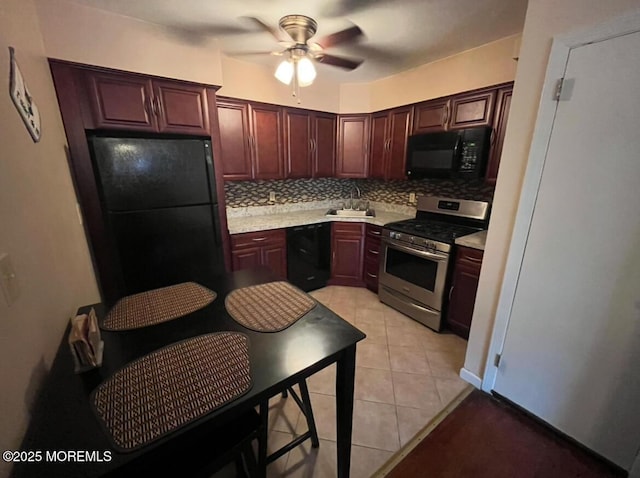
412, 279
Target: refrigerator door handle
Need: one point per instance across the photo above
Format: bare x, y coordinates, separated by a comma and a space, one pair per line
216, 225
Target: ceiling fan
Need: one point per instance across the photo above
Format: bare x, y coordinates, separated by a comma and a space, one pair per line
294, 34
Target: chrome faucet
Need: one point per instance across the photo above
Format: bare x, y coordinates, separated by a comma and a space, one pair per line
351, 195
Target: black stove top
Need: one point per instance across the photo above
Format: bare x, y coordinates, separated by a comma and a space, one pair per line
433, 230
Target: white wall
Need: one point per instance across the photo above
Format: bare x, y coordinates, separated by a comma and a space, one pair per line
87, 35
39, 228
544, 19
485, 65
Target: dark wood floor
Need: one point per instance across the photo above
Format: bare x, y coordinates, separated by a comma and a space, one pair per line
486, 438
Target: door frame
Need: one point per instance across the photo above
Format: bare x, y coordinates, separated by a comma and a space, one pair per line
556, 67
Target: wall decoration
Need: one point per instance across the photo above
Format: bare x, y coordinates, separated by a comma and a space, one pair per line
23, 100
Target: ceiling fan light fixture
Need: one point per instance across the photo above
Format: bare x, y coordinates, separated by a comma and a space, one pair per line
306, 72
284, 72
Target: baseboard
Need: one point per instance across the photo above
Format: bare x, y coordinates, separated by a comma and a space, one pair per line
471, 378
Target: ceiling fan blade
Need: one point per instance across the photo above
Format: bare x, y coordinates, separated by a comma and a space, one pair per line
348, 35
278, 34
251, 52
339, 61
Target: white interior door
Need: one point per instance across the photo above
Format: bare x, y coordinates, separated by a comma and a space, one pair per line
571, 354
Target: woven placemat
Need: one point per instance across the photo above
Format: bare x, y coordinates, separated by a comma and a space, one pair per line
168, 388
158, 305
268, 307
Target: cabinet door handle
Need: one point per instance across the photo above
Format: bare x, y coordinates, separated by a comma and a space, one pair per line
373, 276
148, 107
493, 136
375, 233
259, 239
445, 115
374, 252
451, 291
471, 259
156, 106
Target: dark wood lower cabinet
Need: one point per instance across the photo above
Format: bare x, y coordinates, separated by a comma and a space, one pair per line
347, 253
466, 274
371, 256
263, 248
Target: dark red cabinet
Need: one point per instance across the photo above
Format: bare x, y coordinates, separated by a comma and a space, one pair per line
503, 105
298, 145
181, 108
389, 133
353, 146
347, 253
372, 256
464, 285
323, 137
263, 248
138, 103
251, 140
233, 119
309, 143
472, 109
431, 116
266, 134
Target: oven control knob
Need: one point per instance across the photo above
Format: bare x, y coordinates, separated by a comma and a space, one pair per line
412, 239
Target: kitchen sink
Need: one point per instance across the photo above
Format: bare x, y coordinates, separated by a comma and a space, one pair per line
351, 213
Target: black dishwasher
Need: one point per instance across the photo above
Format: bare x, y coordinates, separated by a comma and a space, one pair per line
308, 251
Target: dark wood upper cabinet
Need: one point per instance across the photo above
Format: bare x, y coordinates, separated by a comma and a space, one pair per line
309, 143
181, 108
121, 101
138, 103
399, 127
431, 116
235, 137
389, 133
324, 144
353, 146
503, 104
474, 109
298, 144
379, 142
266, 134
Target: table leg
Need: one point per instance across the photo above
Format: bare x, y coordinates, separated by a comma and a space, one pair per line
345, 376
262, 438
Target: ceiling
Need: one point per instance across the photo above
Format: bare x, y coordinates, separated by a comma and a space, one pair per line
399, 34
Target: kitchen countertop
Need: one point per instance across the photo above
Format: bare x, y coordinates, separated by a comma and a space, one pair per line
474, 241
238, 224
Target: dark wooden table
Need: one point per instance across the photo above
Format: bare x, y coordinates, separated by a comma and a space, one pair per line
62, 418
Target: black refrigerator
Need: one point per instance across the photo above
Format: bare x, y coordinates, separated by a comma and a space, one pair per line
158, 199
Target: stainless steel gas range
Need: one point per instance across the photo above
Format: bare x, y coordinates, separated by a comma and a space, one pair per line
416, 255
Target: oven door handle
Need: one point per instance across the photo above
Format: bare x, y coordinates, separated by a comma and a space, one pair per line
416, 252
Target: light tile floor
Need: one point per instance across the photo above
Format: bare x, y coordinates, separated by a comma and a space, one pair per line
405, 375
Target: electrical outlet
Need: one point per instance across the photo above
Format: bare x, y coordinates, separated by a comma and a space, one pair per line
412, 197
272, 196
8, 280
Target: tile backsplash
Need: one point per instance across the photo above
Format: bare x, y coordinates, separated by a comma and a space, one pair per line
256, 193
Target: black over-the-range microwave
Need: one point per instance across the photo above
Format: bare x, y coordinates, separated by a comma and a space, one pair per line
450, 154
